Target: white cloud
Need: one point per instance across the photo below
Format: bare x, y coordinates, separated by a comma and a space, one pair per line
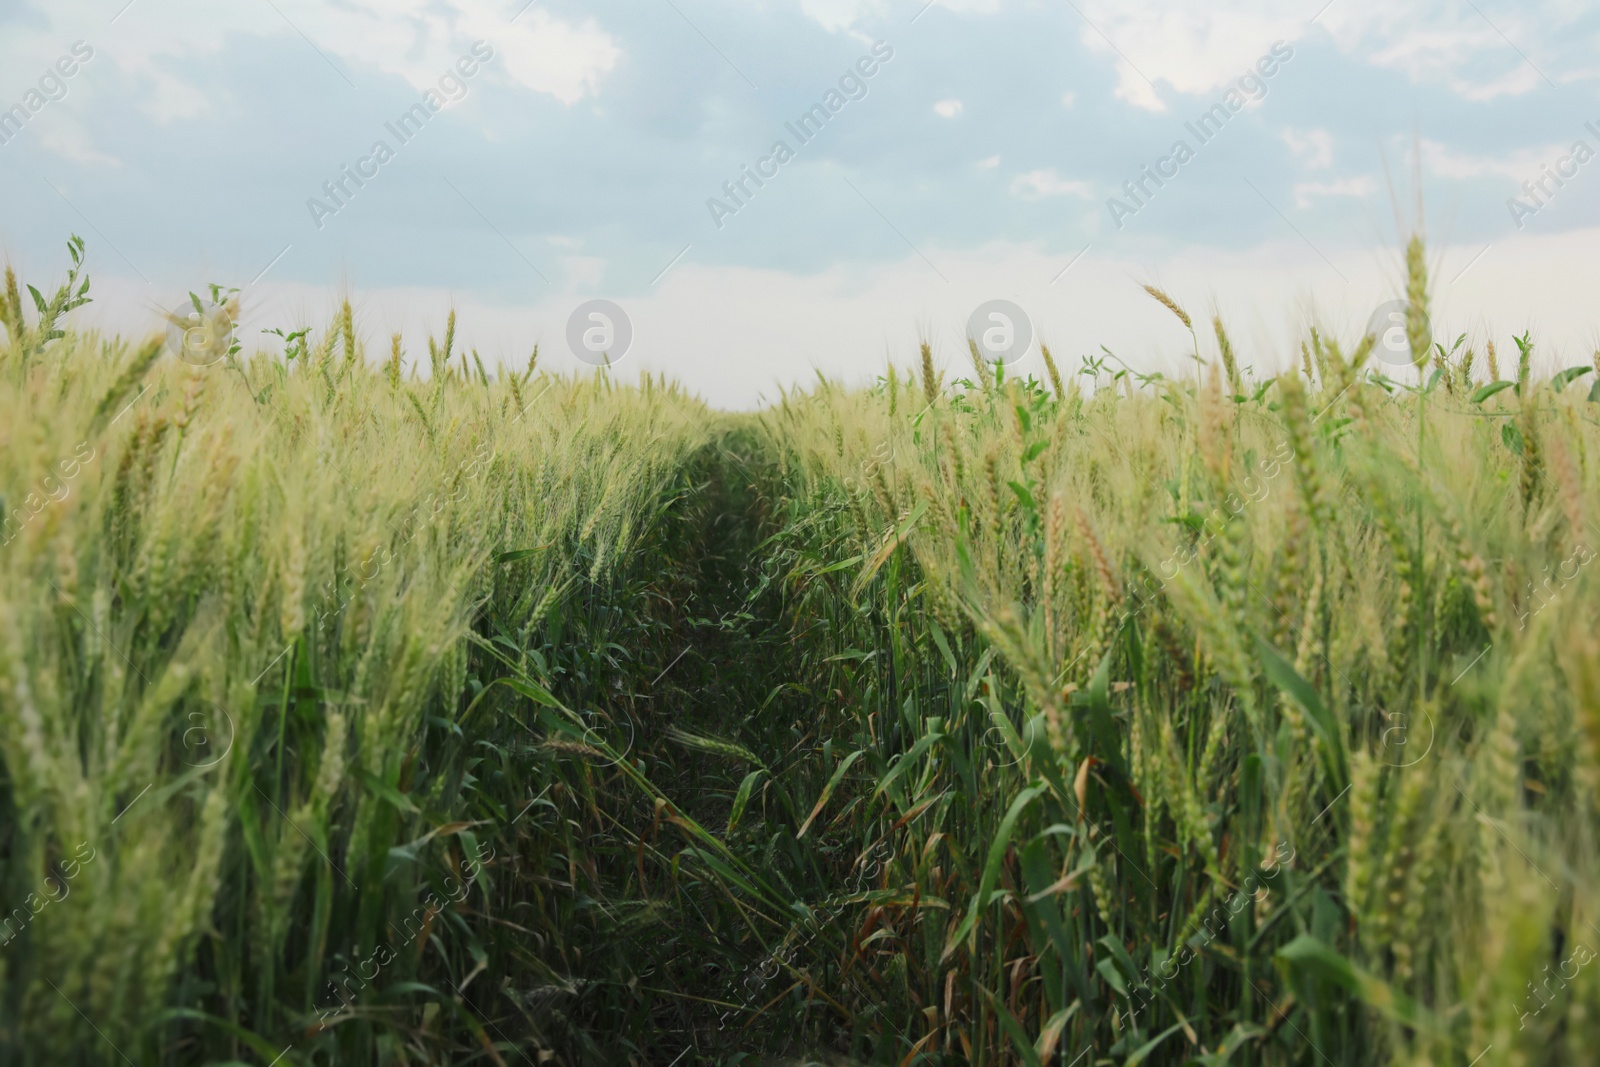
1068, 99
1313, 148
836, 15
583, 271
1306, 192
1455, 45
158, 45
1519, 166
420, 39
1196, 51
66, 138
1038, 184
1133, 88
1193, 50
1199, 50
989, 164
947, 109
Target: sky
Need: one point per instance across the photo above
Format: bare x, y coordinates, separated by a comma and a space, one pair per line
770, 189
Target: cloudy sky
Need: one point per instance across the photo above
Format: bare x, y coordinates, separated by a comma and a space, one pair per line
555, 152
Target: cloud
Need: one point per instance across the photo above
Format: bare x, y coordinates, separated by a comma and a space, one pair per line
1313, 148
947, 109
1305, 193
1197, 51
1194, 51
1517, 165
417, 39
567, 60
1454, 45
583, 271
67, 139
989, 164
1038, 184
1440, 42
837, 15
168, 51
1133, 88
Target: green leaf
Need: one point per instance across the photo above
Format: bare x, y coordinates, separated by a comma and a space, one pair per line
1486, 391
1560, 381
1040, 905
991, 868
890, 543
1150, 1046
411, 987
1008, 733
1035, 738
827, 791
934, 735
382, 789
1024, 496
722, 868
38, 301
1512, 438
1119, 953
742, 798
250, 829
535, 692
1014, 1030
262, 1047
944, 645
1322, 722
1045, 1046
1108, 971
1092, 708
1594, 392
1311, 956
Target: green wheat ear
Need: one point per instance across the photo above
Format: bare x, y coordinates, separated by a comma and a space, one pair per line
1230, 362
930, 380
1055, 375
984, 374
1417, 333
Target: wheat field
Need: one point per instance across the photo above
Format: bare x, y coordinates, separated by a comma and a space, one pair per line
368, 706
